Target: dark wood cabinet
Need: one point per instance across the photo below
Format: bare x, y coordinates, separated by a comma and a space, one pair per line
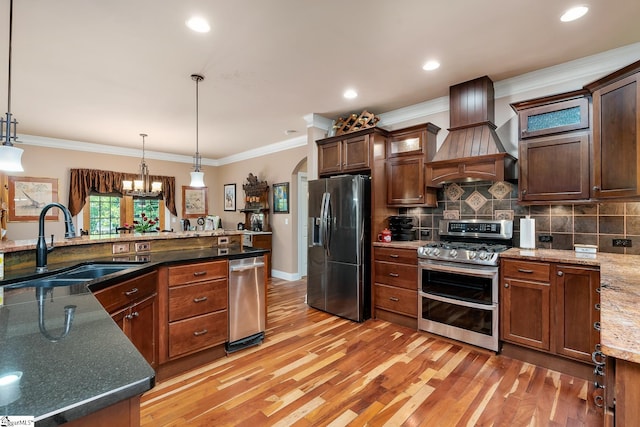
133, 305
554, 147
407, 151
616, 134
347, 153
395, 289
197, 307
577, 311
525, 304
554, 168
550, 307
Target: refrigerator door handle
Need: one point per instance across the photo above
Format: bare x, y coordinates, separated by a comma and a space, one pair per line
326, 225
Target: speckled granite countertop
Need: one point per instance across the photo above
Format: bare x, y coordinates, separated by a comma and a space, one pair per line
95, 365
412, 244
619, 297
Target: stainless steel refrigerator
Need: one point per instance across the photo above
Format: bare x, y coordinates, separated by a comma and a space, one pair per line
338, 261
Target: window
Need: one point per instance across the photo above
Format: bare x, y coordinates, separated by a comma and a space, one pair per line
104, 214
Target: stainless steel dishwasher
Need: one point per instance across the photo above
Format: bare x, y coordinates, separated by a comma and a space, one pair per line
246, 303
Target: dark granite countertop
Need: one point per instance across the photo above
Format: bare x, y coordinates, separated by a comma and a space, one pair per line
95, 365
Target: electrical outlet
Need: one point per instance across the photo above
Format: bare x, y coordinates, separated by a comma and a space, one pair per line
143, 246
120, 248
621, 243
545, 238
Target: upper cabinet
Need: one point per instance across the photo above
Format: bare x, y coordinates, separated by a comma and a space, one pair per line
554, 147
346, 153
616, 134
407, 151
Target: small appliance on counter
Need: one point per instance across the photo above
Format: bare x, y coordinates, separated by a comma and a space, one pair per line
401, 228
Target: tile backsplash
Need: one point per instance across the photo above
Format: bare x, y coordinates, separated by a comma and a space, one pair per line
593, 224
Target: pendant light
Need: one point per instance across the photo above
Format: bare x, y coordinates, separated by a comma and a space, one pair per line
142, 187
197, 177
10, 156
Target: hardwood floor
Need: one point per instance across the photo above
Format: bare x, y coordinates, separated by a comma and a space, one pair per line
315, 369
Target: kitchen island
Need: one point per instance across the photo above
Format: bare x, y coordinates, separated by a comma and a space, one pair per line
63, 377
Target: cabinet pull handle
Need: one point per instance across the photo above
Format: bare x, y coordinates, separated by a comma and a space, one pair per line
522, 270
597, 385
394, 299
598, 357
598, 400
198, 333
201, 299
560, 273
394, 256
132, 315
596, 326
131, 292
598, 289
599, 370
596, 188
199, 273
394, 275
597, 306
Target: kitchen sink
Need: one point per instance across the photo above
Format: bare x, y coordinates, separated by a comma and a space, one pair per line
93, 271
79, 275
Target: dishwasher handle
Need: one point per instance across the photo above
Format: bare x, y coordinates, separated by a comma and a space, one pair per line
235, 268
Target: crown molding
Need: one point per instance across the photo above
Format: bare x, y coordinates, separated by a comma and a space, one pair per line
318, 121
289, 144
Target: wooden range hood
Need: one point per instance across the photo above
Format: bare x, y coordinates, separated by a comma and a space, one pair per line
472, 150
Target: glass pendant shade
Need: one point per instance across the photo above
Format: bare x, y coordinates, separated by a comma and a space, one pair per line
197, 179
156, 186
11, 158
127, 185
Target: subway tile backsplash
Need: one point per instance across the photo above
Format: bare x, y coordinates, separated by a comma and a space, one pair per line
592, 224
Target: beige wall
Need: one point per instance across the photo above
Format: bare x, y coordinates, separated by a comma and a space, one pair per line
282, 166
42, 162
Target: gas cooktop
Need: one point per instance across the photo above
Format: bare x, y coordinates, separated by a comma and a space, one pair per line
470, 241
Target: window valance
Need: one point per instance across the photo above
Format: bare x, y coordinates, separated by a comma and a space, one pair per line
84, 181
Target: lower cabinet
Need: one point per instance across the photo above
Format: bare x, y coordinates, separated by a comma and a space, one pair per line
197, 307
550, 307
133, 305
395, 290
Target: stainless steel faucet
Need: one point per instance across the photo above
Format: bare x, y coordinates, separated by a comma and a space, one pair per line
41, 247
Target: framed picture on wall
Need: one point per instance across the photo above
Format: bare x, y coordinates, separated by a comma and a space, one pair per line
194, 202
27, 197
281, 197
230, 197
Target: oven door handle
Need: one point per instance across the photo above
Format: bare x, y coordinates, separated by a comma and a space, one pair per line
459, 302
460, 270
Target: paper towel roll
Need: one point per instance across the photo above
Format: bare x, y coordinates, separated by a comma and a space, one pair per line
527, 233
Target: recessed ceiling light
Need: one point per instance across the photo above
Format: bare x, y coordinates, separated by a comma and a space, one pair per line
350, 94
574, 13
431, 65
198, 24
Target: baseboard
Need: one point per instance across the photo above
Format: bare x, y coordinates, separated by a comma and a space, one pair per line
290, 277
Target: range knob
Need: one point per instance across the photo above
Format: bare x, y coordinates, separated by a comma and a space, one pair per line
453, 253
428, 251
483, 255
436, 252
473, 254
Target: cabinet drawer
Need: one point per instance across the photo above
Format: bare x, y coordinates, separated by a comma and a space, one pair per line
400, 275
122, 294
395, 299
197, 333
402, 256
198, 272
198, 298
527, 270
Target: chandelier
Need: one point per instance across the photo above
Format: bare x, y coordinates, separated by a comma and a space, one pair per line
197, 177
142, 187
10, 156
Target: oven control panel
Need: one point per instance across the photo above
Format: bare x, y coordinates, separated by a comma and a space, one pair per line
480, 255
476, 228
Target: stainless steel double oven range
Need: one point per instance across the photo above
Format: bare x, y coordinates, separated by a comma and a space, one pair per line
458, 280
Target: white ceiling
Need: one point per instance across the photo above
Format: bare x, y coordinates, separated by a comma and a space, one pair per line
104, 71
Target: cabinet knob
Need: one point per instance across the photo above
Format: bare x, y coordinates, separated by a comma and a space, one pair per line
596, 188
506, 285
560, 273
524, 192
